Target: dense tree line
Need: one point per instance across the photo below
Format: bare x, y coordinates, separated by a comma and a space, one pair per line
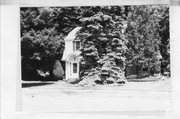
147, 34
106, 48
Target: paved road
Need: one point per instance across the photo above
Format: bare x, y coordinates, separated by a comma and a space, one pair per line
64, 97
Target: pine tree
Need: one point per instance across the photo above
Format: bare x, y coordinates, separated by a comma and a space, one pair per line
103, 48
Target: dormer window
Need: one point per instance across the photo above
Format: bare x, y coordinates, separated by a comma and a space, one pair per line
76, 45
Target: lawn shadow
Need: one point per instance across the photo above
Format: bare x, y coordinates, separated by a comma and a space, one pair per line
26, 85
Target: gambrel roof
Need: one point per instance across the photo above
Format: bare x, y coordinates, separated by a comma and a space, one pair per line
72, 34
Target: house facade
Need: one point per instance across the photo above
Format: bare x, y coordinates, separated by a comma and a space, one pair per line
71, 55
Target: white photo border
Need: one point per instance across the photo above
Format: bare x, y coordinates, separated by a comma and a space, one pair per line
11, 58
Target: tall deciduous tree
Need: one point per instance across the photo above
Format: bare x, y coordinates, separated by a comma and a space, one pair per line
40, 49
143, 37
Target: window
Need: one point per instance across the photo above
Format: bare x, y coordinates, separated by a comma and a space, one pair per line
74, 67
76, 45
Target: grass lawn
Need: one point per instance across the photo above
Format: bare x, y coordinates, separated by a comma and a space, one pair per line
61, 96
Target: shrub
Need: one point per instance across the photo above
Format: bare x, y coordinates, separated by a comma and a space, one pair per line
58, 71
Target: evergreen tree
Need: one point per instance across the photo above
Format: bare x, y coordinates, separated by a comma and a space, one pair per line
103, 47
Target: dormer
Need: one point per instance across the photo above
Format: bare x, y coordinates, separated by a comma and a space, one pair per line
72, 44
71, 55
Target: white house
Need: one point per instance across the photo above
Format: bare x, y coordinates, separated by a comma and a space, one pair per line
71, 55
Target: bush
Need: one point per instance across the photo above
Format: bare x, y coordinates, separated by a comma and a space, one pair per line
29, 73
90, 80
58, 71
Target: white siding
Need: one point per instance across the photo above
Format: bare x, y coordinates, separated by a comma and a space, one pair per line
67, 70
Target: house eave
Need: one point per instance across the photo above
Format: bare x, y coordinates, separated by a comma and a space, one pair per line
66, 56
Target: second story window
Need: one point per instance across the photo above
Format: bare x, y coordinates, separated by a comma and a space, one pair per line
76, 45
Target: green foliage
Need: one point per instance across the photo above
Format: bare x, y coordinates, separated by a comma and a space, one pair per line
143, 36
63, 19
165, 39
106, 50
42, 44
103, 47
42, 48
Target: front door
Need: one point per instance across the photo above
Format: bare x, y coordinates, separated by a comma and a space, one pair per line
74, 70
72, 67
